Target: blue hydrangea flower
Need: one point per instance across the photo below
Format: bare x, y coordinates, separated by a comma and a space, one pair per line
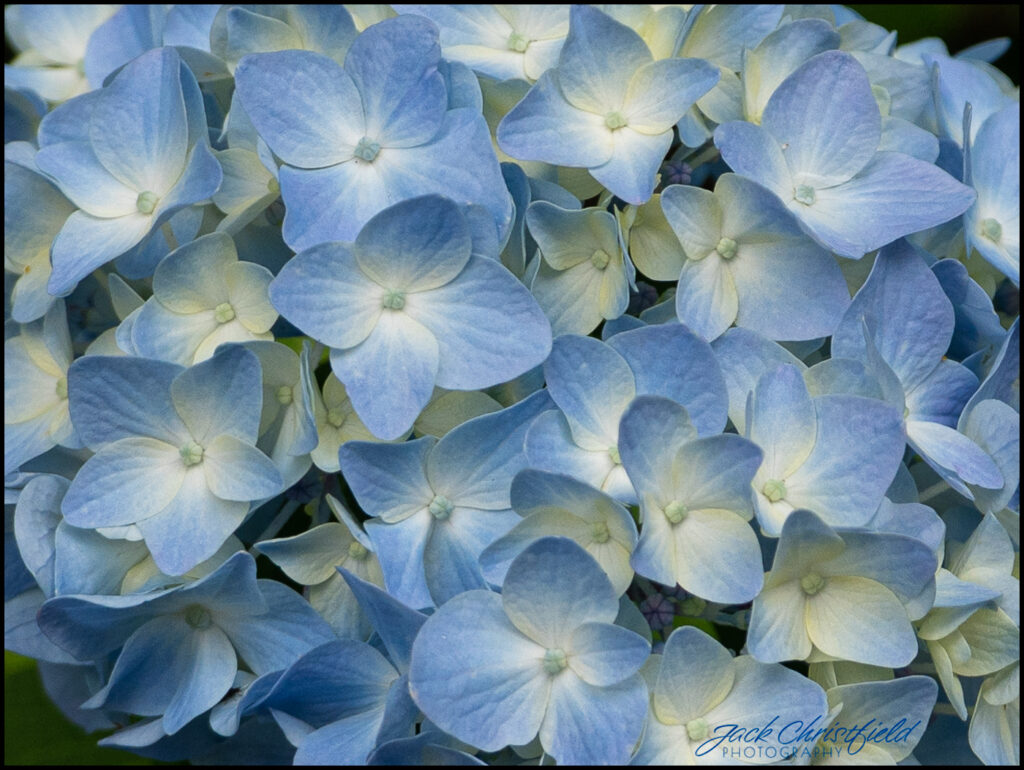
180, 647
503, 42
235, 31
542, 658
593, 383
702, 694
817, 149
36, 363
560, 506
34, 212
695, 503
140, 154
585, 273
203, 296
907, 701
608, 106
313, 559
748, 262
835, 454
992, 166
336, 423
175, 451
839, 594
341, 700
51, 42
357, 139
408, 307
436, 504
899, 326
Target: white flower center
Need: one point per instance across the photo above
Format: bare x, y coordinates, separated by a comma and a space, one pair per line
367, 149
517, 42
224, 313
615, 120
811, 583
394, 300
555, 660
992, 230
146, 202
440, 507
675, 511
774, 490
284, 395
804, 193
726, 248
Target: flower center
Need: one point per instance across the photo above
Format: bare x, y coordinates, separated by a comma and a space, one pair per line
273, 185
675, 511
615, 120
367, 149
224, 313
697, 729
62, 387
992, 230
198, 616
613, 452
440, 507
811, 583
517, 42
191, 453
726, 248
284, 395
599, 532
555, 660
804, 193
336, 417
395, 300
146, 202
600, 259
774, 490
357, 550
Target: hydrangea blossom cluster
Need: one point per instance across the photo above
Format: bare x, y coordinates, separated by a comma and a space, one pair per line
462, 384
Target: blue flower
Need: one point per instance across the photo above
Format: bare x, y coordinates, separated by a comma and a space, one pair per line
407, 307
357, 139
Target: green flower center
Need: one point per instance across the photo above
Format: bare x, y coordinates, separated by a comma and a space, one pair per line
600, 259
62, 387
146, 202
615, 120
599, 532
697, 729
774, 490
811, 583
191, 453
357, 550
613, 452
394, 300
440, 507
992, 230
675, 511
284, 395
336, 417
198, 616
804, 193
517, 42
555, 660
273, 185
367, 149
726, 248
224, 313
